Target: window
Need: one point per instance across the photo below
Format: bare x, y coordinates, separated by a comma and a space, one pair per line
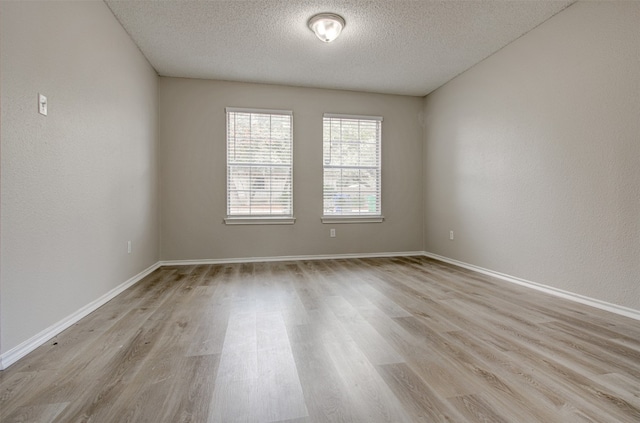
259, 166
351, 154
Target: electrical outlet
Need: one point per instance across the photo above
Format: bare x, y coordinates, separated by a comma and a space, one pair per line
332, 233
128, 247
451, 235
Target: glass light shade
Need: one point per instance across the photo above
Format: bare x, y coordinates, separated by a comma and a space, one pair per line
326, 26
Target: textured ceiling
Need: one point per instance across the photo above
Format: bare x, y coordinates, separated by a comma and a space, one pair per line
396, 47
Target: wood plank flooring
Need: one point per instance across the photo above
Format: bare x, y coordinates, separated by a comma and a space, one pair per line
360, 340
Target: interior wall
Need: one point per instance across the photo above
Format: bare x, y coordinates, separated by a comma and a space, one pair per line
532, 157
193, 172
77, 184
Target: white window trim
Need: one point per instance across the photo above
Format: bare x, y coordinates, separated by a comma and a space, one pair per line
357, 117
259, 111
352, 219
259, 220
340, 219
262, 220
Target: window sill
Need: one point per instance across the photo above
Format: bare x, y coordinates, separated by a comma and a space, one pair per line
260, 220
352, 219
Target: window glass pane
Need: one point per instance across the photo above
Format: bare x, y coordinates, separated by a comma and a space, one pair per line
259, 164
351, 161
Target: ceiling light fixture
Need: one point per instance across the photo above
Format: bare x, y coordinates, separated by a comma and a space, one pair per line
326, 26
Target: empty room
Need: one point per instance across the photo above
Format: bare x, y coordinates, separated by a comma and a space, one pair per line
298, 211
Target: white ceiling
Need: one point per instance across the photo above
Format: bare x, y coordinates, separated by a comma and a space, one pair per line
395, 47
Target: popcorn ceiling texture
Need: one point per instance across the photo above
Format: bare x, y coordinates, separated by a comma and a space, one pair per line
394, 47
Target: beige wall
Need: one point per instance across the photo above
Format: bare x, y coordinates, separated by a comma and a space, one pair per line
532, 157
193, 172
78, 184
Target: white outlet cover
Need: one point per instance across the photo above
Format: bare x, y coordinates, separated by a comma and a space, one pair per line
42, 104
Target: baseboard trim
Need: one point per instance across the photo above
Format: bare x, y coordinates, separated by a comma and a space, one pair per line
16, 353
593, 302
288, 258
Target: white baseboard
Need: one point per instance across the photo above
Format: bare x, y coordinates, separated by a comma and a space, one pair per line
289, 258
16, 353
603, 305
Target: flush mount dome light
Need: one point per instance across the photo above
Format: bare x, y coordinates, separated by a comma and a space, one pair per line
326, 26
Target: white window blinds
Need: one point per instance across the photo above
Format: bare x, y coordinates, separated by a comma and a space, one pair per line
259, 163
352, 167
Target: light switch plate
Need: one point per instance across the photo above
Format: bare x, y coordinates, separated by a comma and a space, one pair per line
42, 104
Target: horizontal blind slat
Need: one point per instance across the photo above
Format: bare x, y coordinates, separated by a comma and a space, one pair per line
338, 116
259, 162
351, 165
245, 111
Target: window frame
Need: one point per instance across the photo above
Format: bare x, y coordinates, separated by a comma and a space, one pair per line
257, 219
354, 218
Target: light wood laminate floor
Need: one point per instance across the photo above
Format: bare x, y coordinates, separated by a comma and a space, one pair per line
359, 340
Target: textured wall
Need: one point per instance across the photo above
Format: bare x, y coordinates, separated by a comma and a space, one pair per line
78, 184
193, 172
532, 157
